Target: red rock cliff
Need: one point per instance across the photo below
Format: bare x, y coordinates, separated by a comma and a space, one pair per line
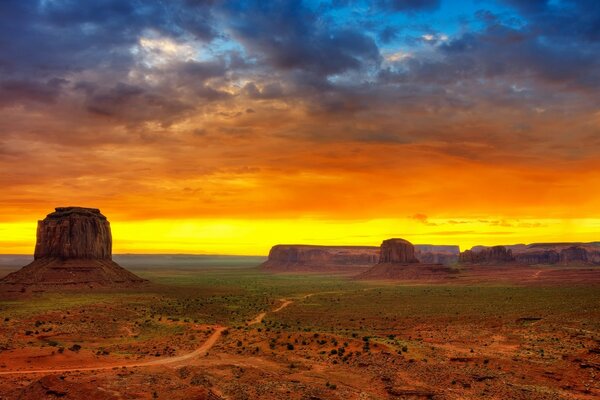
487, 255
73, 249
397, 251
74, 232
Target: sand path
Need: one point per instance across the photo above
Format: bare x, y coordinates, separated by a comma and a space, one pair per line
259, 318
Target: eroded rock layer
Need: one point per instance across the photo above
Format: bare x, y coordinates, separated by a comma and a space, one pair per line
488, 255
74, 232
534, 254
73, 247
284, 257
397, 251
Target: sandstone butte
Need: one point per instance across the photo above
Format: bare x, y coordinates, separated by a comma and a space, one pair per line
398, 261
73, 248
534, 254
397, 251
297, 258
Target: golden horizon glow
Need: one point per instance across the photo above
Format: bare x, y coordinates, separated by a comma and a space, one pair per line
256, 237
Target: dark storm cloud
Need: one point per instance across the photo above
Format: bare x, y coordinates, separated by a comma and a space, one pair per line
410, 5
552, 46
325, 58
55, 36
27, 90
288, 35
563, 20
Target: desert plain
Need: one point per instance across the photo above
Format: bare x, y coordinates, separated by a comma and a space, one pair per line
221, 327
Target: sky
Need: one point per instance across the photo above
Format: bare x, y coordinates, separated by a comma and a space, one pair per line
230, 126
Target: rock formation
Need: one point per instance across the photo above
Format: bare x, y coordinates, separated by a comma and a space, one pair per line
573, 254
74, 232
537, 257
397, 251
73, 247
437, 254
320, 258
535, 253
398, 261
488, 255
289, 257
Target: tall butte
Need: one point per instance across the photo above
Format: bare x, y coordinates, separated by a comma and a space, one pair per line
398, 261
73, 248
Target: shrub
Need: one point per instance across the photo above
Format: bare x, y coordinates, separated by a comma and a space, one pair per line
75, 348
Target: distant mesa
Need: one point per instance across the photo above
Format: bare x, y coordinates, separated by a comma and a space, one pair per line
437, 254
537, 257
488, 255
313, 258
574, 254
73, 247
296, 258
398, 261
397, 251
534, 254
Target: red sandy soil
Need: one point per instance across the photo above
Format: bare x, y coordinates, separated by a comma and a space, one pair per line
494, 274
447, 358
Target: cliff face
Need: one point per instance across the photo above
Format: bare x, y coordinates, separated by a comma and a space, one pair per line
320, 258
536, 253
397, 251
74, 249
74, 232
573, 254
284, 257
348, 255
538, 257
488, 255
437, 254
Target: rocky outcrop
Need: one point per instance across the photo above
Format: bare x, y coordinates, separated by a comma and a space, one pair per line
573, 254
535, 253
537, 257
397, 251
320, 258
74, 232
284, 257
437, 254
73, 248
398, 262
488, 255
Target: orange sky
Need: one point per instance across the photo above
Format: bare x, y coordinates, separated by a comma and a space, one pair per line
229, 134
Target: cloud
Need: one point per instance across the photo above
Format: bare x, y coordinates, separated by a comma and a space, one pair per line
410, 5
290, 36
326, 104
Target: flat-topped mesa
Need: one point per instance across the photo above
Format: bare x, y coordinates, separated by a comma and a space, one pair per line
537, 257
74, 232
397, 251
487, 255
73, 249
292, 257
534, 254
573, 254
437, 254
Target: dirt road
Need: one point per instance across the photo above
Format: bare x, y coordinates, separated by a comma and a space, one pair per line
203, 349
259, 318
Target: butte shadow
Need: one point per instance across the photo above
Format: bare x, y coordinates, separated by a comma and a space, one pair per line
73, 250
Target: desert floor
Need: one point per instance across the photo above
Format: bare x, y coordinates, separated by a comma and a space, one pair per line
227, 330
